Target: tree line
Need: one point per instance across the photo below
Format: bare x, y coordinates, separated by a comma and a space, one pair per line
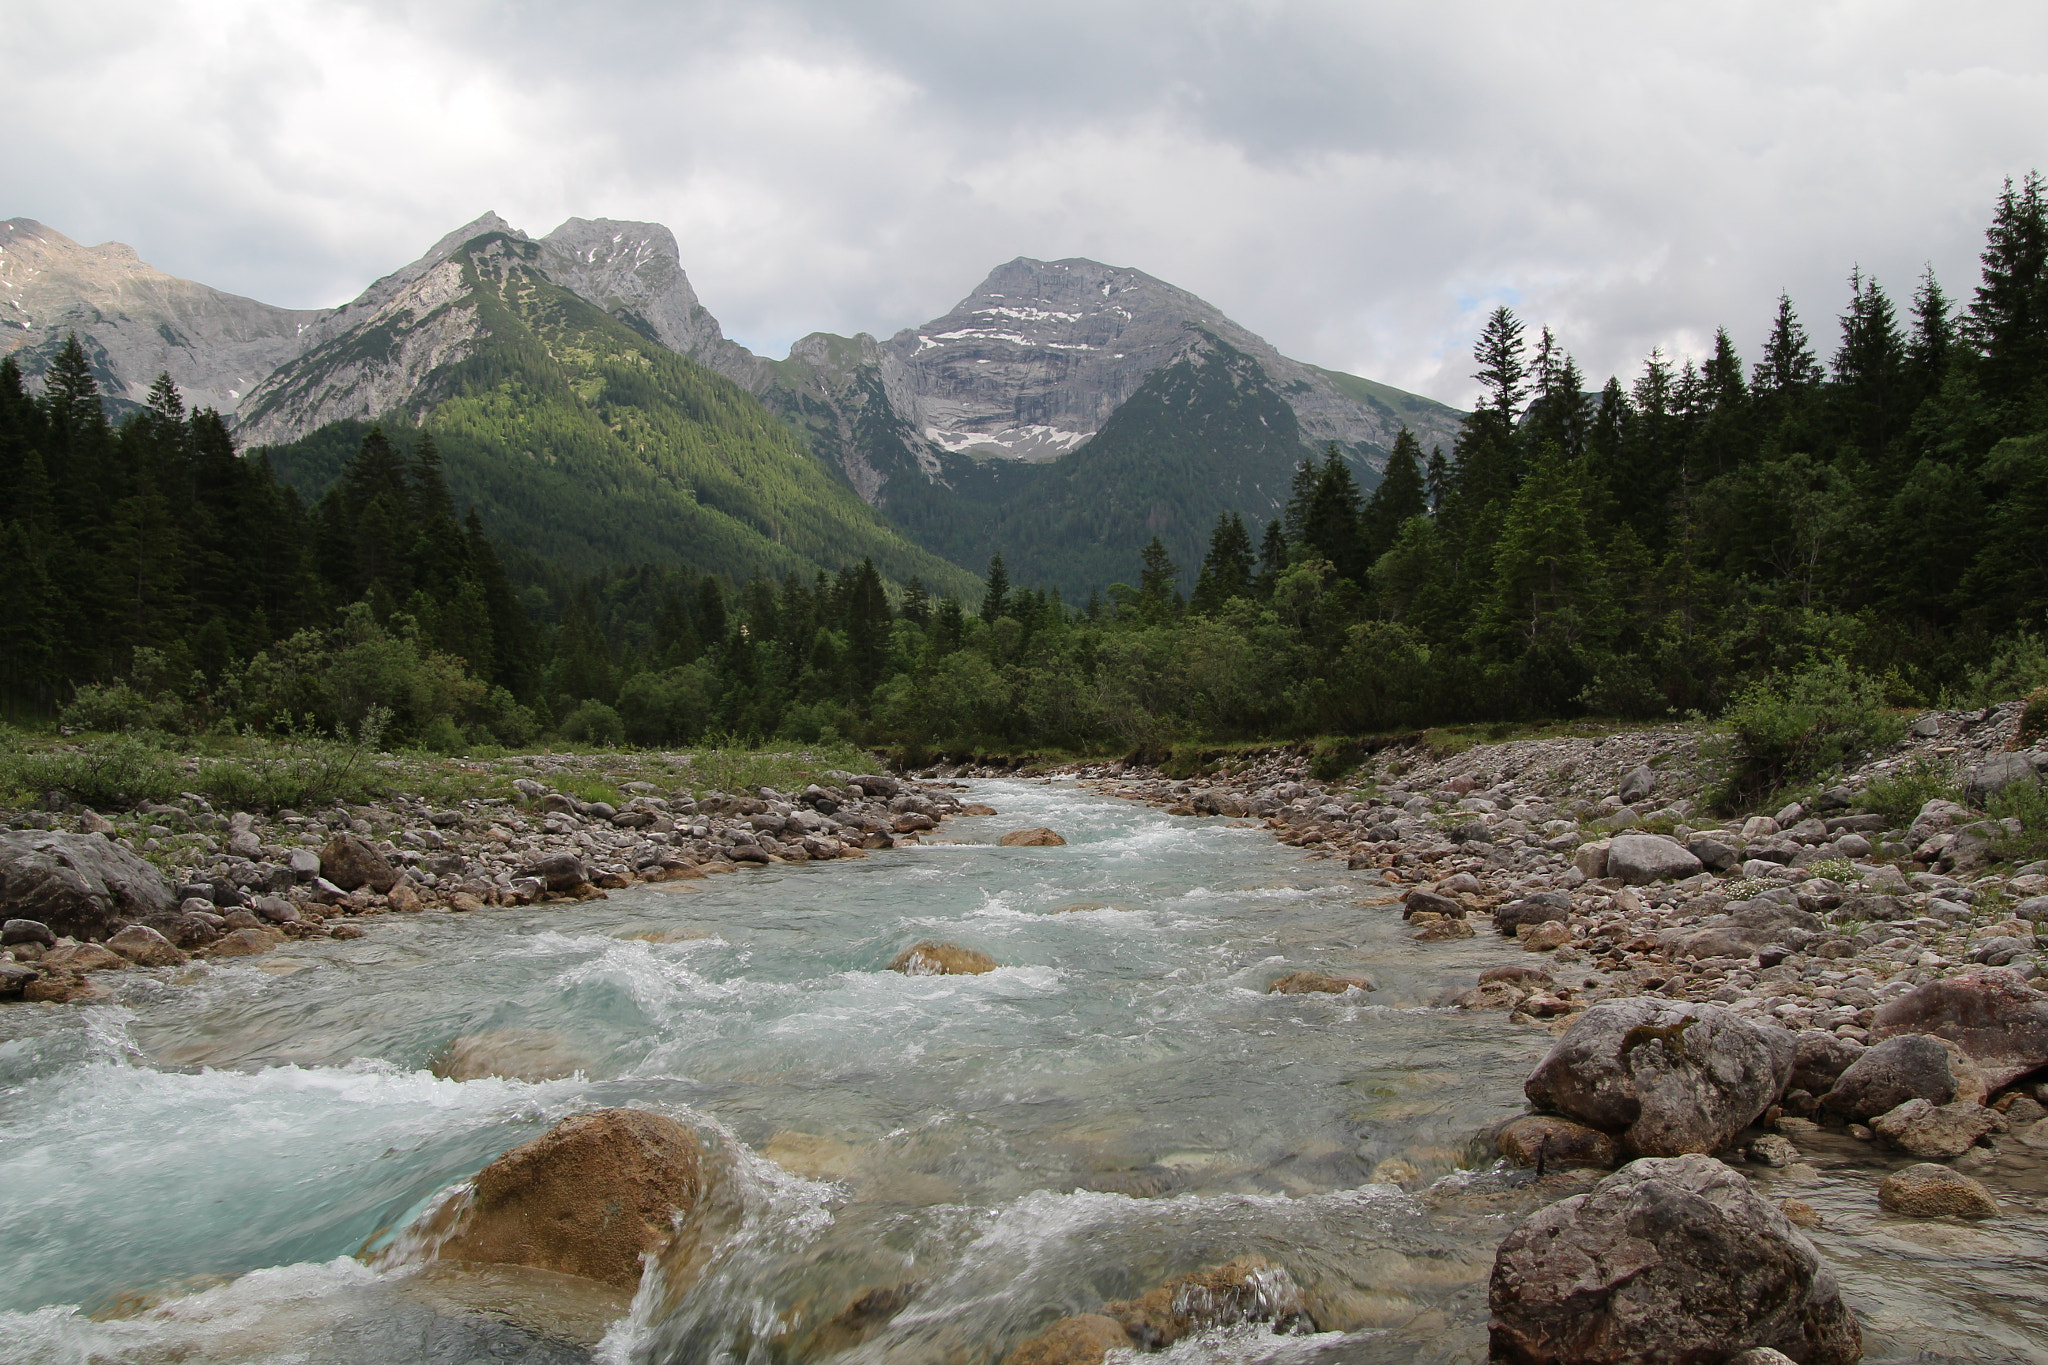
1639, 550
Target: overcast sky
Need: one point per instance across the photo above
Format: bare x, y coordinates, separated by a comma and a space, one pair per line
1360, 183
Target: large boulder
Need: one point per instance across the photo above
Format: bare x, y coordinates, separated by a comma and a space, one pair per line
1819, 1058
589, 1197
145, 947
1639, 859
559, 872
1676, 1261
1996, 773
82, 885
1541, 908
1749, 927
1667, 1078
1906, 1067
1937, 1132
942, 959
350, 863
1992, 1014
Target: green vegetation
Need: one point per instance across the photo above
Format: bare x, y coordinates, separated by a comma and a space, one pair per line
1898, 798
1796, 729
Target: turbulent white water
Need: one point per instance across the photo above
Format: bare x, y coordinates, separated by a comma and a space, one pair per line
1119, 1103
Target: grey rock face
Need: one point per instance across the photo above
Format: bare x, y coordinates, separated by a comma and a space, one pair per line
82, 885
1667, 1078
135, 321
1668, 1260
1937, 1132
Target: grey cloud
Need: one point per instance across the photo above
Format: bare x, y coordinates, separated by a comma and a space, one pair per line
1358, 183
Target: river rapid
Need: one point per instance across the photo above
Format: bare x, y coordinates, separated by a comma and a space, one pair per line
190, 1171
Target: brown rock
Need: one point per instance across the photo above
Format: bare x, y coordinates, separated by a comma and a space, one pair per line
1558, 1142
145, 947
1931, 1191
1422, 900
1248, 1289
587, 1198
349, 863
559, 872
1436, 931
405, 899
465, 902
942, 959
1992, 1014
59, 988
83, 957
1083, 1340
1311, 983
1518, 974
1799, 1213
515, 1054
241, 943
975, 808
1547, 937
1038, 837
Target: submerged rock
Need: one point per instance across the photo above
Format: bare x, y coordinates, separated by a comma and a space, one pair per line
513, 1054
1674, 1260
1666, 1078
1083, 1340
942, 959
1038, 837
80, 885
1311, 983
1248, 1289
1931, 1191
588, 1197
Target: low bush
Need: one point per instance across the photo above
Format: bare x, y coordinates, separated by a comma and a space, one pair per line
1796, 729
111, 772
1899, 797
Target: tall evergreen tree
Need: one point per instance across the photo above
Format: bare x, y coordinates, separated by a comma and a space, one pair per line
2008, 318
995, 600
1401, 495
1227, 569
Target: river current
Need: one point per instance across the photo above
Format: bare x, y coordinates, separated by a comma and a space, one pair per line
190, 1171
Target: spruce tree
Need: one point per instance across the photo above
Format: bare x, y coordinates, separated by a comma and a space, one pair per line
1273, 557
2008, 318
1227, 569
1870, 364
1933, 342
995, 601
1401, 495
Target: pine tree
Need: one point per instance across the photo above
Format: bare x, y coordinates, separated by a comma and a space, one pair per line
1227, 569
1157, 595
917, 602
1560, 409
2008, 318
1401, 495
1933, 343
995, 602
1502, 367
1788, 371
1870, 364
1273, 558
1438, 479
711, 619
1331, 522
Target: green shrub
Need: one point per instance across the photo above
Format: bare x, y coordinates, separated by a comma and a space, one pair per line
1794, 730
303, 768
1899, 797
117, 706
2026, 802
110, 773
443, 736
594, 723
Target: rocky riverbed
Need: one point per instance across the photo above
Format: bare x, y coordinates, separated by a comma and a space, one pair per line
1802, 1041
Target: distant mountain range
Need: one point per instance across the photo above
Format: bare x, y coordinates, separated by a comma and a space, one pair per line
1063, 413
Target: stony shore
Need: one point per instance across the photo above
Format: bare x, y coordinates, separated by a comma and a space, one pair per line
81, 899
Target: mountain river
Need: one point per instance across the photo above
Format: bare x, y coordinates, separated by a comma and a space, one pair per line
190, 1171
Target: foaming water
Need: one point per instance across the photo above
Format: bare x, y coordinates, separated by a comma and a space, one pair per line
910, 1168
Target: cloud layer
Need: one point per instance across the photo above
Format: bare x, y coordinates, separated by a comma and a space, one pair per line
1359, 183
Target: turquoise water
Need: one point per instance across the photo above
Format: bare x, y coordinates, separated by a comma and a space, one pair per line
1119, 1102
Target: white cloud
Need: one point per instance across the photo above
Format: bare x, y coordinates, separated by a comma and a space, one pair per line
1358, 183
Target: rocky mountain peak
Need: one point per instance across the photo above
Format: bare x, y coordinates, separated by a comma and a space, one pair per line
135, 321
